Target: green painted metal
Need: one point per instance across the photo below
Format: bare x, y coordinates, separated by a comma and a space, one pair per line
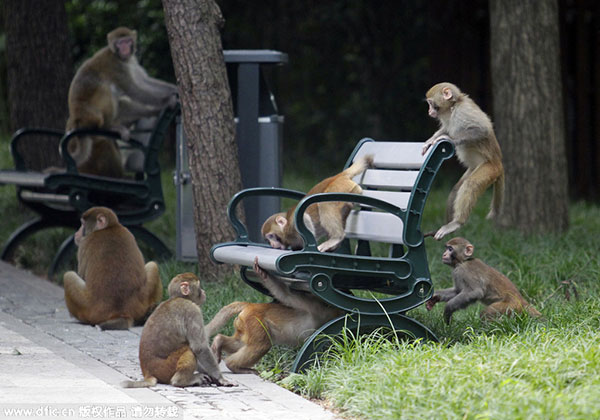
403, 277
321, 339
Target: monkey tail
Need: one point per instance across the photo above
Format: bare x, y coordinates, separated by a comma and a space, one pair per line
359, 166
223, 316
146, 383
497, 197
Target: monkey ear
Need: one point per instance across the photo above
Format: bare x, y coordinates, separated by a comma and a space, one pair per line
281, 221
447, 93
185, 288
469, 250
101, 222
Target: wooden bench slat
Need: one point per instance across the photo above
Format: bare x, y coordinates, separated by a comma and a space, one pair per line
394, 155
399, 199
244, 255
23, 179
374, 226
392, 180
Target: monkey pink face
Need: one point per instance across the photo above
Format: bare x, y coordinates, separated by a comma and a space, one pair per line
275, 241
449, 255
124, 47
433, 108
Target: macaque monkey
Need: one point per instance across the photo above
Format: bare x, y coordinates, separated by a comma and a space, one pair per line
476, 281
174, 346
322, 219
111, 90
112, 288
470, 130
262, 325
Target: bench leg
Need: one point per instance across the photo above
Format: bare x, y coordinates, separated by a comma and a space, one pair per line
66, 251
321, 338
153, 241
25, 230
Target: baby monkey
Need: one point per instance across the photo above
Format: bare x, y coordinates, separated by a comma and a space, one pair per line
174, 345
262, 325
475, 281
322, 219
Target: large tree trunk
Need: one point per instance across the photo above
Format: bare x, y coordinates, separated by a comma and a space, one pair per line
193, 27
528, 113
39, 71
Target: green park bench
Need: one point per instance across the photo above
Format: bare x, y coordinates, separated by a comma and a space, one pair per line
380, 271
59, 199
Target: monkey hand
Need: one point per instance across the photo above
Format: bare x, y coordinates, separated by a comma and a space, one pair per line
447, 315
446, 229
442, 137
262, 274
427, 145
172, 101
431, 302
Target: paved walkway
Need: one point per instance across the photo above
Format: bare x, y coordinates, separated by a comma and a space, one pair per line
52, 367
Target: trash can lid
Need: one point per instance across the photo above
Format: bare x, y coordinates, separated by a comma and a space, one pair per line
255, 56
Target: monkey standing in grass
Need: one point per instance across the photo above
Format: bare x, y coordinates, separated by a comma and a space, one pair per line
475, 281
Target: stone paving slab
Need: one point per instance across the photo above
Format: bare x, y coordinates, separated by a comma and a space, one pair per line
50, 362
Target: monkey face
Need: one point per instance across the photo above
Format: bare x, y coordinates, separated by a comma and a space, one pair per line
433, 108
449, 256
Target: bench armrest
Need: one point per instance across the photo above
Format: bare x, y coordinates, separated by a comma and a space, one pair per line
310, 242
242, 232
64, 143
22, 133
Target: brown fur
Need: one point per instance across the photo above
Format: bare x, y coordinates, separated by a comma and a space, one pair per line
112, 288
476, 281
323, 219
470, 129
174, 345
111, 91
262, 325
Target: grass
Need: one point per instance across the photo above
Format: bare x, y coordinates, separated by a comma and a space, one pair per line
514, 368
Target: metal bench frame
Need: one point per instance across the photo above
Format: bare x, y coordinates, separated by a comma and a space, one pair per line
59, 199
403, 275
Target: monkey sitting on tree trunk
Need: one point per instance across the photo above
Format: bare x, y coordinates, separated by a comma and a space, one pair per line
174, 345
470, 130
475, 281
262, 325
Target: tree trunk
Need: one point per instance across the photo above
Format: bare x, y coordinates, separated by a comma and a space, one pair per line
528, 113
193, 28
39, 71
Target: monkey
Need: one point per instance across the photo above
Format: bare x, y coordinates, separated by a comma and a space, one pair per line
111, 90
322, 219
470, 130
174, 343
259, 326
474, 281
112, 287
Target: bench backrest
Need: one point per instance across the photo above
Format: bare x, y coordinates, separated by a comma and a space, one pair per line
396, 169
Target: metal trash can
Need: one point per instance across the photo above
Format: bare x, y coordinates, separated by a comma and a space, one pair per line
259, 129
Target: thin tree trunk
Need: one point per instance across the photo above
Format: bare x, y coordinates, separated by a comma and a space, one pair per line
193, 27
528, 113
39, 71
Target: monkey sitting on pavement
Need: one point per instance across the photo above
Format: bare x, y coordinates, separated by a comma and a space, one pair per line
322, 219
111, 288
174, 344
475, 281
262, 325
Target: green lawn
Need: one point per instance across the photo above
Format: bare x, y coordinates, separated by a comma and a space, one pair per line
514, 368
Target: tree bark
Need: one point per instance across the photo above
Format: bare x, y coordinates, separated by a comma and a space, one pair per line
39, 71
528, 113
193, 28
